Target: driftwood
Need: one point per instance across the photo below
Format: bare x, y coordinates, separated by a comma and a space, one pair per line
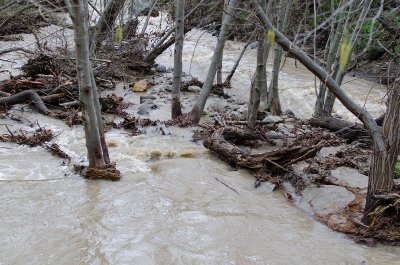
347, 130
238, 157
28, 96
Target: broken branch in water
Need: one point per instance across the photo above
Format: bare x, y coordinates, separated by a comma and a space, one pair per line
226, 185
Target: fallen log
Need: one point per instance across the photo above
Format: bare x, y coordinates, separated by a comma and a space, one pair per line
240, 158
346, 130
27, 96
330, 123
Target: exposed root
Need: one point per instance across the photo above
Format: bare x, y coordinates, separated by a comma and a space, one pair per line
107, 172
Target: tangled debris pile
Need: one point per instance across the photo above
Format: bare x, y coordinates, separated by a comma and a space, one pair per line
316, 162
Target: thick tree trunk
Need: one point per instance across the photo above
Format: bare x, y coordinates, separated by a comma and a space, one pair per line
261, 77
197, 110
179, 35
87, 93
381, 176
106, 23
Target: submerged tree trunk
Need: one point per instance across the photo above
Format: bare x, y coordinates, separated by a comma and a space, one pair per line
260, 77
179, 25
106, 23
198, 107
95, 142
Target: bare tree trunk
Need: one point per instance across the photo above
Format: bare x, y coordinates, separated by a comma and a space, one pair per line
330, 98
179, 35
105, 23
335, 37
86, 86
261, 76
233, 70
146, 22
283, 17
383, 163
163, 44
198, 107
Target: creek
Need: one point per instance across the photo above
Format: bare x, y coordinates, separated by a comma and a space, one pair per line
172, 209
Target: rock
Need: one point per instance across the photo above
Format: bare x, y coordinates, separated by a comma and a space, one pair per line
140, 86
145, 98
272, 119
170, 69
349, 177
143, 111
290, 113
329, 151
161, 69
146, 107
194, 89
327, 199
168, 88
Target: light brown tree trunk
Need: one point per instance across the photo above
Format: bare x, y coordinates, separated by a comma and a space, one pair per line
177, 81
87, 89
260, 77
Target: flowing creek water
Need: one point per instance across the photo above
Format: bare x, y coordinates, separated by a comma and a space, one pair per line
171, 210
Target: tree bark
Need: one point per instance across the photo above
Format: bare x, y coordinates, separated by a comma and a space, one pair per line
261, 77
382, 166
87, 89
198, 107
105, 23
330, 97
179, 35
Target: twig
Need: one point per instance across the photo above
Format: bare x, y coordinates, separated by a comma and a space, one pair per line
226, 185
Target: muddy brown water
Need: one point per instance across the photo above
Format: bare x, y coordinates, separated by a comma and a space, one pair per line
171, 210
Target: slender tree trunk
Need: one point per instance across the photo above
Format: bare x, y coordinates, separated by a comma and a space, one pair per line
333, 47
164, 43
106, 23
330, 98
235, 66
179, 35
260, 77
87, 89
283, 17
146, 22
198, 107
